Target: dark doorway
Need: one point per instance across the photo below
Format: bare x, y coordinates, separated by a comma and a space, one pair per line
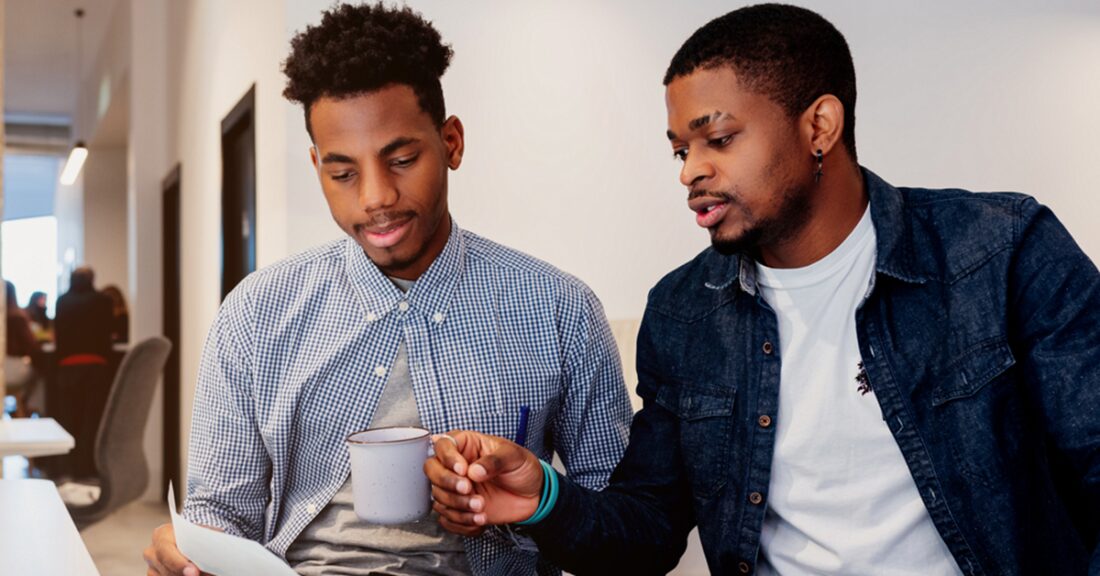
239, 192
170, 220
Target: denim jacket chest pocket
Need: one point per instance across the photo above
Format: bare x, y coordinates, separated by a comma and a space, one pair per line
973, 370
705, 415
979, 412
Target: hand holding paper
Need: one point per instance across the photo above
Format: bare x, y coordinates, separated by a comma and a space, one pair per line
219, 553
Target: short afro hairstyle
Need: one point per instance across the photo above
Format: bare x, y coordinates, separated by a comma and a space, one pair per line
361, 48
789, 54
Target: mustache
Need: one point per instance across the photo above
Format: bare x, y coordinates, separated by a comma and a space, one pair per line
716, 194
384, 219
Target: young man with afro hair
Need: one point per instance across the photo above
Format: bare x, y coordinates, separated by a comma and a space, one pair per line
408, 321
853, 379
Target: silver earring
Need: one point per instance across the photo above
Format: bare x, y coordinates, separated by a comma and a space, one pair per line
820, 162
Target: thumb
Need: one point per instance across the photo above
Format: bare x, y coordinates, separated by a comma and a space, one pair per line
502, 458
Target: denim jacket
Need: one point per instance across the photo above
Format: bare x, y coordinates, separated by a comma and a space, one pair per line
980, 337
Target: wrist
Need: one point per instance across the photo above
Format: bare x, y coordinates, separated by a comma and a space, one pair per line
548, 497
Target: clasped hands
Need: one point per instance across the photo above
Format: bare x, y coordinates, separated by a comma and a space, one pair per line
480, 480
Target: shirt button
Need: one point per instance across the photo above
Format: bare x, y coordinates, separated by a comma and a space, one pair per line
438, 317
756, 498
764, 421
311, 508
743, 567
371, 317
380, 371
403, 306
768, 348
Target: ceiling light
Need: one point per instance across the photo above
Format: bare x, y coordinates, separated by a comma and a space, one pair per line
79, 152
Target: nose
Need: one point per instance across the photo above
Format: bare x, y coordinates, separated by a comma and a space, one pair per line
696, 169
376, 191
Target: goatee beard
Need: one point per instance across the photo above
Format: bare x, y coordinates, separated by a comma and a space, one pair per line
744, 244
792, 215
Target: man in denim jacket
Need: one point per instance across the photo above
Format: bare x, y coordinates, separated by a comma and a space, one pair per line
855, 378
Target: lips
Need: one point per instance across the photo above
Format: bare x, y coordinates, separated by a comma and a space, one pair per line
384, 235
709, 210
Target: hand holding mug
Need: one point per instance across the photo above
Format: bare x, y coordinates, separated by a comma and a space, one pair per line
479, 480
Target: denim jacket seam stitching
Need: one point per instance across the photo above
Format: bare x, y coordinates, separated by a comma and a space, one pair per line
659, 309
928, 464
977, 264
992, 343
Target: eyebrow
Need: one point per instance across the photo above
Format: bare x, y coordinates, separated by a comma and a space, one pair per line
336, 158
390, 148
396, 144
701, 121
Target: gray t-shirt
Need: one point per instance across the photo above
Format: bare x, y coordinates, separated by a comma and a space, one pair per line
338, 542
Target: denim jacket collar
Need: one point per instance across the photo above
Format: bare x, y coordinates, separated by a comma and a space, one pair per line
895, 243
893, 247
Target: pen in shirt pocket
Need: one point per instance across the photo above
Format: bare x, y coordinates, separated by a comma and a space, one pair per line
521, 430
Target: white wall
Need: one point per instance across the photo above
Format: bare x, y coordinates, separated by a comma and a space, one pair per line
217, 50
150, 137
105, 216
68, 208
564, 113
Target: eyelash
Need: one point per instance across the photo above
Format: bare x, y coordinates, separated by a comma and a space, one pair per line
681, 154
398, 163
404, 162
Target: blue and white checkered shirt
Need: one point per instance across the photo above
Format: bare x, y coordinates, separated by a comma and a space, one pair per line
300, 351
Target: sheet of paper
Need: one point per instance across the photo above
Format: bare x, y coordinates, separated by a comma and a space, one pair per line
222, 554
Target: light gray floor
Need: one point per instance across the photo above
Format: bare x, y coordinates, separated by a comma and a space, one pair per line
116, 542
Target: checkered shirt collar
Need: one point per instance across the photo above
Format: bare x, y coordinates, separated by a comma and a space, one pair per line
430, 296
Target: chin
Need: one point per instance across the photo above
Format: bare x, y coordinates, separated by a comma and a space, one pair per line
746, 242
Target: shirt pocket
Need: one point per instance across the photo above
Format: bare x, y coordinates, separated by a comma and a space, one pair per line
979, 413
973, 370
506, 424
705, 417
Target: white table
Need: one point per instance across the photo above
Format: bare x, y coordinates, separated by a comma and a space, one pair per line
33, 437
37, 535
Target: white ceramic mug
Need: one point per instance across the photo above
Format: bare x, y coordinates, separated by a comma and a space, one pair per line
387, 474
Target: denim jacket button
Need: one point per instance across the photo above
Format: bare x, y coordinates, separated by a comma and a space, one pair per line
756, 498
764, 420
768, 348
743, 567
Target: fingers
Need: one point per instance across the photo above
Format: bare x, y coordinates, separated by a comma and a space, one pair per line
164, 558
468, 531
458, 521
460, 529
500, 458
444, 478
458, 501
448, 450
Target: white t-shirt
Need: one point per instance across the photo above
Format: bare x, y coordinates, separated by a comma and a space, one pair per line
841, 498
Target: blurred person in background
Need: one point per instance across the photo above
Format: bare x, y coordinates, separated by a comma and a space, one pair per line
82, 329
83, 321
120, 325
22, 351
41, 324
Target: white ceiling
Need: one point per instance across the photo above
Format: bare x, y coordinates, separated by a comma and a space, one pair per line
40, 52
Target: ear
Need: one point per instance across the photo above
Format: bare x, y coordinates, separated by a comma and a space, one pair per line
823, 123
313, 158
454, 138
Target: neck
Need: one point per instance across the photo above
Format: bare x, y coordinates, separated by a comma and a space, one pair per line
838, 203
